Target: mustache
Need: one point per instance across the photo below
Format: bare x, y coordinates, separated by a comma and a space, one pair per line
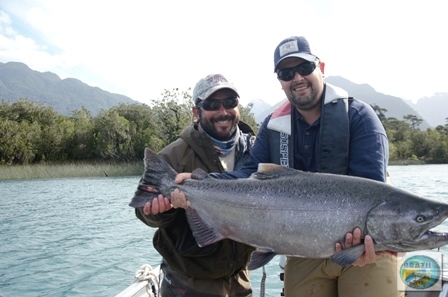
298, 85
223, 118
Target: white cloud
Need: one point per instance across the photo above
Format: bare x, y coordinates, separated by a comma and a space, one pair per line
140, 48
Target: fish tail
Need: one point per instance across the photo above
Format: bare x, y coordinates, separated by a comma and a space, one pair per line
158, 176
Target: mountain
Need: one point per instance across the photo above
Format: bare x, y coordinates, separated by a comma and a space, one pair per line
18, 81
433, 108
396, 107
259, 117
259, 106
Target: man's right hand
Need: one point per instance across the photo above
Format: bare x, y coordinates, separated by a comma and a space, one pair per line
157, 205
162, 204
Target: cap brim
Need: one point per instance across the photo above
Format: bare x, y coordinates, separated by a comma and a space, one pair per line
308, 57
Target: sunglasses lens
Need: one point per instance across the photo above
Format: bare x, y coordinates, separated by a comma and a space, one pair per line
286, 74
215, 104
230, 102
306, 69
303, 69
211, 105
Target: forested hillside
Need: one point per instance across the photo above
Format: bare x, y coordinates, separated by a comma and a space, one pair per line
34, 133
18, 81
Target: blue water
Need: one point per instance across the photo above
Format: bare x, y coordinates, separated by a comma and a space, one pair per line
79, 237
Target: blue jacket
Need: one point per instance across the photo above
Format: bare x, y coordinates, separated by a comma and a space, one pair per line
366, 152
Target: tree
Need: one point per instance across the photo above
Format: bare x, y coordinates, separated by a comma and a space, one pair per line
437, 145
399, 133
442, 129
80, 144
111, 136
172, 113
421, 144
142, 129
380, 112
414, 120
398, 130
16, 141
38, 126
31, 132
248, 117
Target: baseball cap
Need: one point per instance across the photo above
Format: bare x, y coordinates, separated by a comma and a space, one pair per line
210, 84
295, 46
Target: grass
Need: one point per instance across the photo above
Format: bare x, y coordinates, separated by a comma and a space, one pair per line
406, 162
70, 170
95, 169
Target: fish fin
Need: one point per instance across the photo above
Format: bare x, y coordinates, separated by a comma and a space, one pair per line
348, 256
199, 173
141, 197
159, 175
259, 258
202, 231
158, 178
270, 171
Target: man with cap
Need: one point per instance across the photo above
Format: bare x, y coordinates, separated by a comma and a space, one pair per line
326, 131
321, 129
216, 141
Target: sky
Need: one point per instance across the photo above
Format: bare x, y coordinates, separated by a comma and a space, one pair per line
140, 48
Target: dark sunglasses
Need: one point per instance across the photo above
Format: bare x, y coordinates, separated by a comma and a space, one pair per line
215, 104
287, 74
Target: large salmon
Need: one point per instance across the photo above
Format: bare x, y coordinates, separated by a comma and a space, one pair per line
290, 212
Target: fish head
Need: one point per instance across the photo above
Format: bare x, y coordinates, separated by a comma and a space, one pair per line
403, 223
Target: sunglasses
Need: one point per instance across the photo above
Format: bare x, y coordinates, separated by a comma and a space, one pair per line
215, 104
287, 74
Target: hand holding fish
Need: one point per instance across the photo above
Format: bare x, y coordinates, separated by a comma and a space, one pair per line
353, 239
161, 204
157, 205
178, 199
180, 177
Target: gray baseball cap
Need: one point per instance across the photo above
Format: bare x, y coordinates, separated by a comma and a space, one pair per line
210, 84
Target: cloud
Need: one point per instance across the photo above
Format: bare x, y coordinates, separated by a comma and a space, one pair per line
139, 48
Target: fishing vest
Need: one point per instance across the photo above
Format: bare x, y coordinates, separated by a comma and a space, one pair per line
334, 133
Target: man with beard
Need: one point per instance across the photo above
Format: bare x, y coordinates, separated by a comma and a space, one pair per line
216, 141
321, 129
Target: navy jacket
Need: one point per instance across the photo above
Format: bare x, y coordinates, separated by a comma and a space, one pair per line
368, 149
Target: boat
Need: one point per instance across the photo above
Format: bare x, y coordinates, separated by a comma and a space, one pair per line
146, 284
148, 279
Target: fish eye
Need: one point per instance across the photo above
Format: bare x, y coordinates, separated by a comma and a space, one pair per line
420, 219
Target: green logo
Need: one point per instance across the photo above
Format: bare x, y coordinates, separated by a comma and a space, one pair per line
420, 272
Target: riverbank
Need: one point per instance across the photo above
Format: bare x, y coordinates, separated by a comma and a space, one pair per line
37, 171
407, 162
99, 169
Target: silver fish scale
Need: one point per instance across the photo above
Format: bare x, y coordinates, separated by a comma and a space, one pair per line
287, 212
291, 212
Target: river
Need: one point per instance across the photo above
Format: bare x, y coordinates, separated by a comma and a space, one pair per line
79, 237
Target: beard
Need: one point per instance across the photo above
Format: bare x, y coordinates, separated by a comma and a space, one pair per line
221, 132
304, 102
308, 99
